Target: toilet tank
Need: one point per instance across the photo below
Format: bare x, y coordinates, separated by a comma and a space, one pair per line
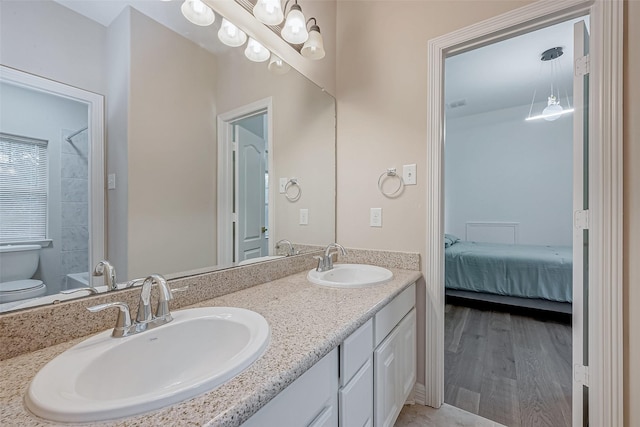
18, 262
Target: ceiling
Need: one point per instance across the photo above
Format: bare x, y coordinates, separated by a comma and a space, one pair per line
505, 74
166, 13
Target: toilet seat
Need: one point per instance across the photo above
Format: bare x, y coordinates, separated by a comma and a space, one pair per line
21, 289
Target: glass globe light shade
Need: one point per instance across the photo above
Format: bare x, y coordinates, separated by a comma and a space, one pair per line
256, 52
277, 65
197, 12
553, 110
295, 28
268, 12
314, 46
231, 35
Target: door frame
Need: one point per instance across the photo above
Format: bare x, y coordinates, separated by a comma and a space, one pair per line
605, 191
97, 158
225, 172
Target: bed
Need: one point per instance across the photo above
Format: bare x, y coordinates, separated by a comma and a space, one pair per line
523, 271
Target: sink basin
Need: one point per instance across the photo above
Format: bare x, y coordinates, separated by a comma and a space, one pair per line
104, 378
351, 276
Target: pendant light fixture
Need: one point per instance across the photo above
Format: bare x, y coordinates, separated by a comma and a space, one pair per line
197, 12
277, 65
255, 51
554, 109
314, 46
269, 12
295, 27
231, 35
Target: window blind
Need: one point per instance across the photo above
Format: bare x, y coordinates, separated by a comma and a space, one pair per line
23, 188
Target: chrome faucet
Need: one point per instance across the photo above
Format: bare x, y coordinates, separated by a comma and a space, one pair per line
325, 263
145, 319
291, 250
104, 268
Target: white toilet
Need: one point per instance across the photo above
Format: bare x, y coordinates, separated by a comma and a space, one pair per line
18, 263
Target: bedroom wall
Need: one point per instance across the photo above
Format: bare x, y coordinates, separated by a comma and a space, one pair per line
498, 167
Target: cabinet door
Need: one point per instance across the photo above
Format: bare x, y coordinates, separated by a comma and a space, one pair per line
356, 398
386, 381
394, 371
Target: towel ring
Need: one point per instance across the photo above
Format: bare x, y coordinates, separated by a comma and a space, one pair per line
291, 195
391, 172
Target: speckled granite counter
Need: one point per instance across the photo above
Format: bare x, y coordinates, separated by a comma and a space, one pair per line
306, 321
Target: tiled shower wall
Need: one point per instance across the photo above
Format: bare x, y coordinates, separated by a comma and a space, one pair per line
74, 198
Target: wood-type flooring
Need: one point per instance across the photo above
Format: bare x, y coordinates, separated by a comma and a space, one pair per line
511, 369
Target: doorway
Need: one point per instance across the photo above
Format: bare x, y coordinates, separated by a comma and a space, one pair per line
604, 374
508, 228
244, 163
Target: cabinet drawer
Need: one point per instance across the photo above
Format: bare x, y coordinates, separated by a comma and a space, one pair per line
356, 398
312, 399
355, 351
387, 318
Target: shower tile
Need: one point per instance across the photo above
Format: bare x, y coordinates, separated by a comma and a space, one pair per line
75, 262
74, 166
75, 190
75, 238
74, 213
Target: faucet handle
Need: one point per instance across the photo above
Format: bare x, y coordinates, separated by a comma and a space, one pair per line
123, 323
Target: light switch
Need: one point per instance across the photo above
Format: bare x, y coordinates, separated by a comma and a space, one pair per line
375, 219
304, 216
283, 184
111, 181
409, 174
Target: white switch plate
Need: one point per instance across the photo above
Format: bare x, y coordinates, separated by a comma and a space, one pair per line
304, 216
283, 184
111, 181
375, 219
409, 174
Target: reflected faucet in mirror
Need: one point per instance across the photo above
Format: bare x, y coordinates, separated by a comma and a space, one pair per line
291, 251
104, 268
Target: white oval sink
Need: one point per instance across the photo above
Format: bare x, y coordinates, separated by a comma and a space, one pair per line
351, 276
104, 378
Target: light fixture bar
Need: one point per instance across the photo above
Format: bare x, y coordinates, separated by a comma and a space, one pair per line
546, 116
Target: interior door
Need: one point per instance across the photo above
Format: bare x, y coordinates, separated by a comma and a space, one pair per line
581, 226
250, 190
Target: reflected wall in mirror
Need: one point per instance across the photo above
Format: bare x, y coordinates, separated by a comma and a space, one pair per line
164, 90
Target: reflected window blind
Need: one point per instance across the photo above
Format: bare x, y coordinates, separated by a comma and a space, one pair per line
23, 188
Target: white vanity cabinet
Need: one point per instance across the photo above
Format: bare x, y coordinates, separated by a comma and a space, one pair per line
364, 382
311, 400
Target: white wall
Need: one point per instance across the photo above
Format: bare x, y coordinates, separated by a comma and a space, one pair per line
499, 167
49, 40
39, 115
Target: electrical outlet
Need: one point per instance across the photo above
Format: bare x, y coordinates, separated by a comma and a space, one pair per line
283, 184
375, 219
409, 174
304, 216
111, 181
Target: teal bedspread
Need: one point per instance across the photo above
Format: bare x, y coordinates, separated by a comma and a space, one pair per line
516, 270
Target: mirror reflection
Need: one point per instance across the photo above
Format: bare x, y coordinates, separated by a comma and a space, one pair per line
202, 145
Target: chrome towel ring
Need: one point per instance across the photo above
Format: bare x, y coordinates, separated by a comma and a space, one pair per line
391, 172
292, 190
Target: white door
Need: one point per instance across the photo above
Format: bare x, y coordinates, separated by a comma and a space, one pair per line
581, 226
250, 192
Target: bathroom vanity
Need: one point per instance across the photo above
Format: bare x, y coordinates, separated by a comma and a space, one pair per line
336, 357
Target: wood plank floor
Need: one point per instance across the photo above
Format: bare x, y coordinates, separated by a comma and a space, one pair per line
511, 369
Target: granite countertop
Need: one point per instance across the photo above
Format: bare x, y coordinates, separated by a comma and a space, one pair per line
306, 321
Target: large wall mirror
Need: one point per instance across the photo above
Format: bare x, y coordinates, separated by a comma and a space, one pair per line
211, 159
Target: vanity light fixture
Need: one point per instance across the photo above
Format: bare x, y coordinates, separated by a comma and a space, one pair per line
255, 51
231, 35
269, 12
295, 28
277, 65
554, 109
314, 46
197, 12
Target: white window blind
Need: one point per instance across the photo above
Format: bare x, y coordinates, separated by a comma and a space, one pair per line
23, 188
